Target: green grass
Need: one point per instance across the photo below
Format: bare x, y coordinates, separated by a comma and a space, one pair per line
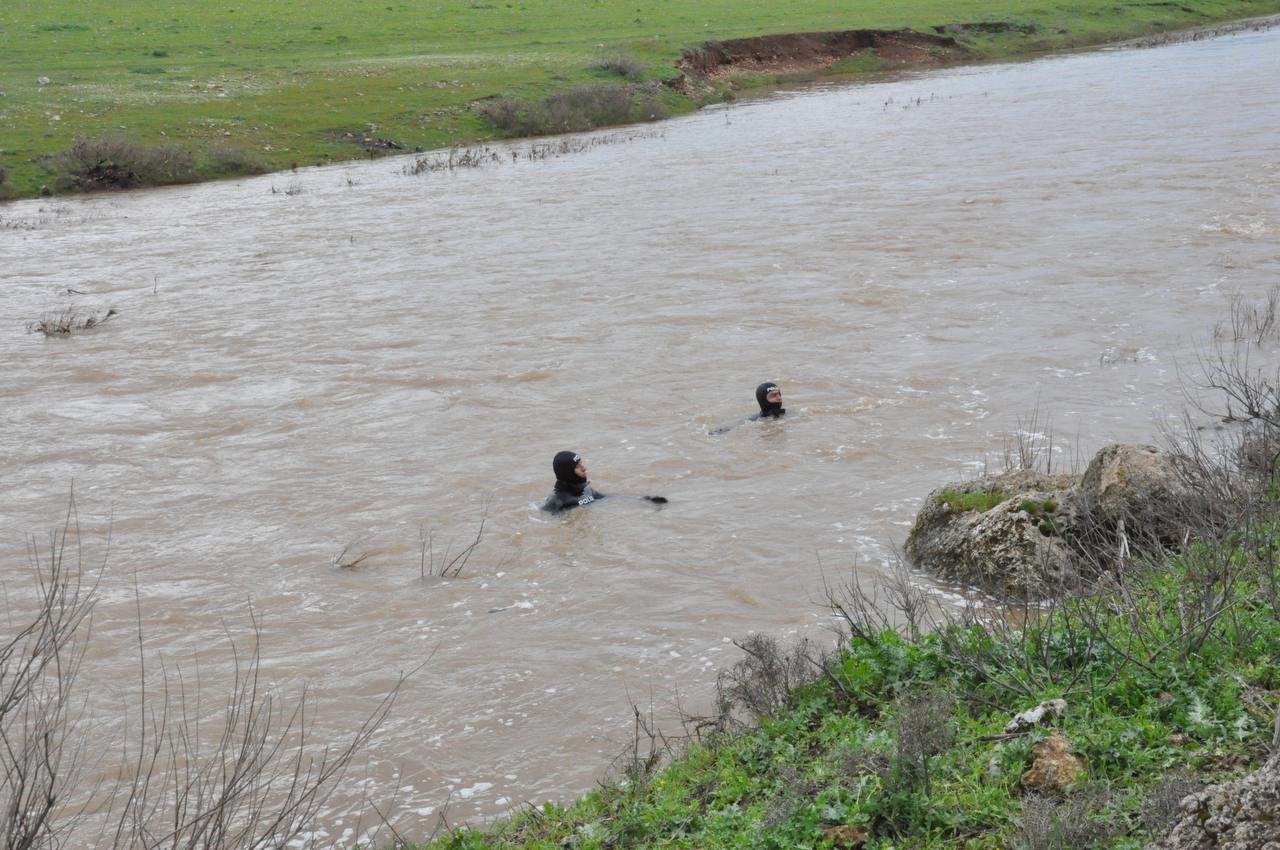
981, 502
279, 79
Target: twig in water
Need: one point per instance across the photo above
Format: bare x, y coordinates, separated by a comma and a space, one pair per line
341, 561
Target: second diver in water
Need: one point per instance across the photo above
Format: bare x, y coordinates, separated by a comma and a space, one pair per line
769, 397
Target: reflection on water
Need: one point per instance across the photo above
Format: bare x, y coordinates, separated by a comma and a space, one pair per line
374, 359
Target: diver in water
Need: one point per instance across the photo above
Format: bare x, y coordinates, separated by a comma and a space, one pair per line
572, 487
769, 397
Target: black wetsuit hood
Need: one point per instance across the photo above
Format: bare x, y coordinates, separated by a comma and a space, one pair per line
768, 409
571, 489
565, 466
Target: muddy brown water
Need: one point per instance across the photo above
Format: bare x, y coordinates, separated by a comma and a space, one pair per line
345, 357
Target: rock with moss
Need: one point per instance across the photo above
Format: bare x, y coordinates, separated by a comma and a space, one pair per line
1003, 533
1243, 814
1024, 533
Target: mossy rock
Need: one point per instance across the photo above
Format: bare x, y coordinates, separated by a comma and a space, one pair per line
1005, 534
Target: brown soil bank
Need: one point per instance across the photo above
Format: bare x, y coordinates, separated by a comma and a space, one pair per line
815, 51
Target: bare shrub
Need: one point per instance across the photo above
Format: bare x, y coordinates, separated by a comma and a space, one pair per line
452, 160
444, 566
67, 321
924, 729
621, 64
762, 681
898, 601
257, 787
114, 162
347, 559
1029, 648
794, 792
457, 158
1162, 805
40, 753
233, 161
852, 763
257, 782
1031, 445
1068, 824
645, 753
581, 108
1250, 321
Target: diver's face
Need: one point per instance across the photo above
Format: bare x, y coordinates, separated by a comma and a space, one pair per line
581, 469
774, 396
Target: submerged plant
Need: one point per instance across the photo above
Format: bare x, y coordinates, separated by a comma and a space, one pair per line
67, 321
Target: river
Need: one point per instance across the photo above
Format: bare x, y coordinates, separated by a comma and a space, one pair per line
310, 367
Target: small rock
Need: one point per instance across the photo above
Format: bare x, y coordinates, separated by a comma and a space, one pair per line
1050, 709
44, 81
1054, 768
848, 837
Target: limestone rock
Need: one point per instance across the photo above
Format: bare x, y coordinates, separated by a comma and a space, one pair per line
1037, 533
1240, 815
1135, 491
1050, 709
1054, 768
1014, 548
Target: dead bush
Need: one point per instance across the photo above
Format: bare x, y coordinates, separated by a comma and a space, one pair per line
67, 321
897, 600
925, 729
620, 64
234, 161
578, 109
256, 782
114, 162
1162, 804
763, 680
1068, 824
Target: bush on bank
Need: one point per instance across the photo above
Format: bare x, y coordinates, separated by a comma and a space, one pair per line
104, 163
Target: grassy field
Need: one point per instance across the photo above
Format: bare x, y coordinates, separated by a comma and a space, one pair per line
271, 84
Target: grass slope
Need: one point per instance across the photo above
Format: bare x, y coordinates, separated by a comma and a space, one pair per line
273, 84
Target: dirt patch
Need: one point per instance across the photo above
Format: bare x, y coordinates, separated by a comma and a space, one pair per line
816, 51
989, 28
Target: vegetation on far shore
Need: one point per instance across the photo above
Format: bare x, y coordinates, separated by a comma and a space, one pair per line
205, 91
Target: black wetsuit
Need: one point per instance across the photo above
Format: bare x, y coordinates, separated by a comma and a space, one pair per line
768, 409
570, 490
